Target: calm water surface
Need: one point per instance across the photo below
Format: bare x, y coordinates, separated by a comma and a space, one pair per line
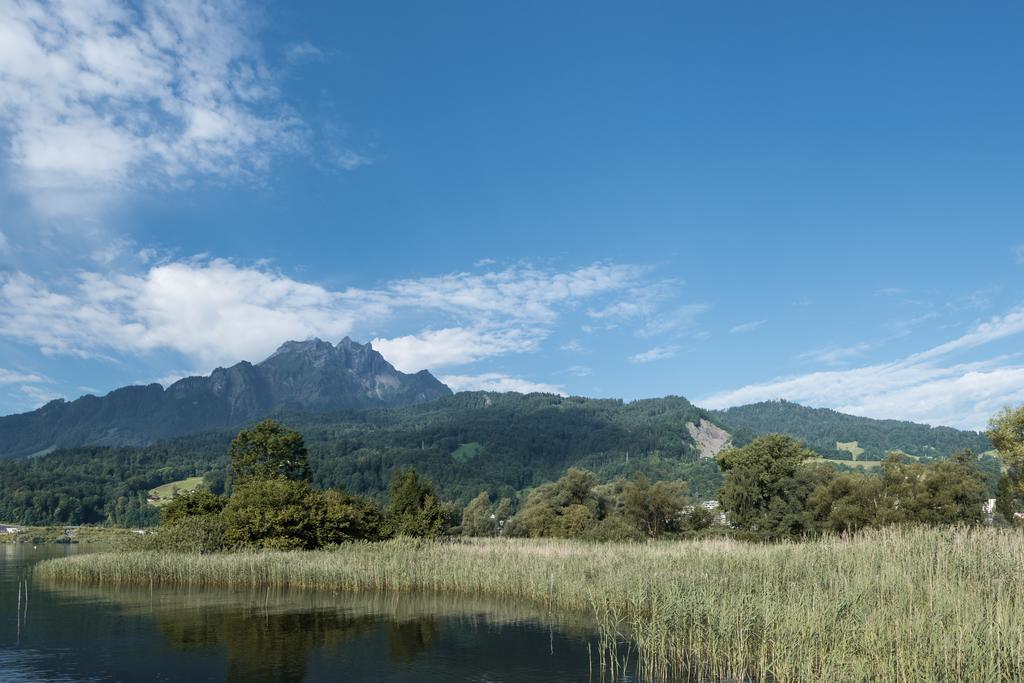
94, 633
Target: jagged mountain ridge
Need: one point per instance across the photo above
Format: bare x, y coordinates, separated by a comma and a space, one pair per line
308, 376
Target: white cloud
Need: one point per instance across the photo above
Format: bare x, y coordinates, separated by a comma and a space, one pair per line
303, 52
1018, 252
638, 302
103, 97
998, 327
903, 326
216, 312
14, 377
349, 160
172, 377
623, 310
657, 353
835, 355
978, 300
455, 346
521, 293
678, 320
38, 396
5, 246
920, 387
747, 327
494, 381
579, 371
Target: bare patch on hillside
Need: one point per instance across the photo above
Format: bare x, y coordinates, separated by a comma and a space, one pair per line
711, 439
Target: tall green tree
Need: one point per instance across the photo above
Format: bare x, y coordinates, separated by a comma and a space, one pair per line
478, 518
1006, 431
768, 484
272, 513
414, 508
948, 491
268, 451
565, 508
849, 502
654, 508
502, 513
1005, 498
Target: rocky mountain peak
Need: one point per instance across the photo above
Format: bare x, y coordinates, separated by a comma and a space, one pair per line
300, 376
313, 345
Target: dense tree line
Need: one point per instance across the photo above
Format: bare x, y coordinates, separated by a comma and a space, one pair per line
271, 504
821, 429
100, 485
577, 506
776, 488
518, 442
511, 446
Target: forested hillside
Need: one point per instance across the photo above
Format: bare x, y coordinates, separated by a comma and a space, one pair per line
821, 429
504, 443
465, 443
101, 484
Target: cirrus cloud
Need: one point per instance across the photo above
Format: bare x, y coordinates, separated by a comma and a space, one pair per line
657, 353
16, 377
924, 387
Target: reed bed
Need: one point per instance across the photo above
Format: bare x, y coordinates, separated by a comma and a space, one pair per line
886, 605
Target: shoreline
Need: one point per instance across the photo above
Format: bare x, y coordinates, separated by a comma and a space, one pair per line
70, 534
893, 604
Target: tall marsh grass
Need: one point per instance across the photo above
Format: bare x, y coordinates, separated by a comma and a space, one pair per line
887, 605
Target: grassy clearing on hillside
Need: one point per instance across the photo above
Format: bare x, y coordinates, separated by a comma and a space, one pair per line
467, 451
887, 605
851, 447
165, 493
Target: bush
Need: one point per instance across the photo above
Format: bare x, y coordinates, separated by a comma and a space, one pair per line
190, 534
613, 528
271, 513
200, 502
340, 517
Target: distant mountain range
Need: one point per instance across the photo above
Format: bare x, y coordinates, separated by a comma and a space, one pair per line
313, 378
362, 420
469, 442
308, 376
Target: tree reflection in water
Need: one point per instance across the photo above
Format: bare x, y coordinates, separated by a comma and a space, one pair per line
262, 645
269, 635
406, 639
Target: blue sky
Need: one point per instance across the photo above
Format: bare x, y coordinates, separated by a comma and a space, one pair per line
727, 201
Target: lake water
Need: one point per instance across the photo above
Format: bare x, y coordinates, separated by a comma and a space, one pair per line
97, 633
